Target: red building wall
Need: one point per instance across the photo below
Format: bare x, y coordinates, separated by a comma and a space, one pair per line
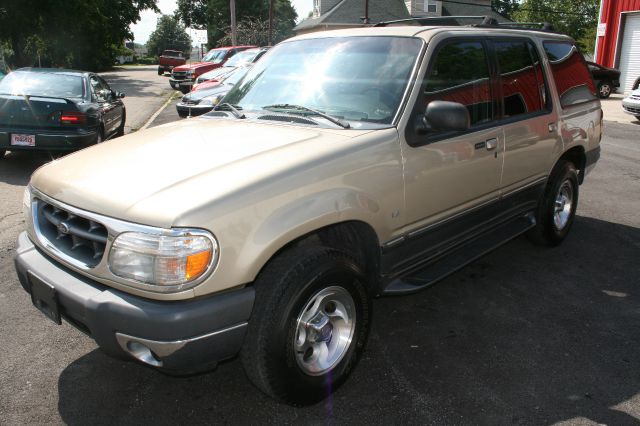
610, 15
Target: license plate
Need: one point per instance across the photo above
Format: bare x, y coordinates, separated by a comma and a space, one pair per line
23, 140
44, 298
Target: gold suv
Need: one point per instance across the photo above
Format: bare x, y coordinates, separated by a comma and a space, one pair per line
344, 165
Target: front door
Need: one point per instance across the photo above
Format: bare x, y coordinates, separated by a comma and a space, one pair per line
448, 174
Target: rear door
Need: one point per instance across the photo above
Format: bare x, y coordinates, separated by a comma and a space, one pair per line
110, 107
530, 125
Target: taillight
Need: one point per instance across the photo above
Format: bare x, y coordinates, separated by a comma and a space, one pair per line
73, 117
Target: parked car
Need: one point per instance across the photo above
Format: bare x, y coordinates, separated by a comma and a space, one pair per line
182, 77
607, 80
631, 104
344, 165
198, 102
46, 109
247, 57
169, 60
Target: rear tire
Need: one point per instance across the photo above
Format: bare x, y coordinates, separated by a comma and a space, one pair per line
636, 84
604, 89
160, 71
305, 297
2, 153
557, 208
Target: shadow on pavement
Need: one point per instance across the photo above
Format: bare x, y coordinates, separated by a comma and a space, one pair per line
16, 167
525, 335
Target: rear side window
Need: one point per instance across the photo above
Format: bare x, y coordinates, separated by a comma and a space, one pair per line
521, 78
570, 73
459, 73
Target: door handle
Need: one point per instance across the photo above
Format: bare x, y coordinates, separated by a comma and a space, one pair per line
492, 144
552, 127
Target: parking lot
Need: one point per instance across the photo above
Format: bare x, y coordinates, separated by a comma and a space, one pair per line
525, 335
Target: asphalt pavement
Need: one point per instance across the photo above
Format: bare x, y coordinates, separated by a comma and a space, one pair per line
526, 335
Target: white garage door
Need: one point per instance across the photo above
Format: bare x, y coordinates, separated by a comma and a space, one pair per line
630, 52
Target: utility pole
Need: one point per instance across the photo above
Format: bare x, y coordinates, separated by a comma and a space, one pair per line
270, 22
234, 26
365, 20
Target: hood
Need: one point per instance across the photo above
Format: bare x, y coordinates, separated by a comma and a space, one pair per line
206, 86
193, 66
156, 176
198, 94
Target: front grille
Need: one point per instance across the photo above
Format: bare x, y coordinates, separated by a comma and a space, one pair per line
189, 101
77, 237
179, 75
636, 97
633, 110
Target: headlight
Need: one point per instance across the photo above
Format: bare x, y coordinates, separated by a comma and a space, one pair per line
210, 100
190, 72
172, 261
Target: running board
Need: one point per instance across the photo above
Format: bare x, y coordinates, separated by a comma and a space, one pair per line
457, 258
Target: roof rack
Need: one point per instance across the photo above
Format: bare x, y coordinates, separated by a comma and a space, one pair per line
485, 22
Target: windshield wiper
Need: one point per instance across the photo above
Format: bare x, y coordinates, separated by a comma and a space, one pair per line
342, 123
236, 113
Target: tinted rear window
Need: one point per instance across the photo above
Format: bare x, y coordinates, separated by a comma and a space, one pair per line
573, 81
42, 84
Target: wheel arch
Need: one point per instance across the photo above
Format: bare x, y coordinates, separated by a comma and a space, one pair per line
356, 237
576, 155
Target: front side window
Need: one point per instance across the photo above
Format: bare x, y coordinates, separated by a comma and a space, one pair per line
573, 81
459, 73
360, 79
523, 89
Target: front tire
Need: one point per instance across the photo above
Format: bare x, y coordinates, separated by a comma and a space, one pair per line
557, 208
160, 71
2, 153
309, 325
120, 131
604, 89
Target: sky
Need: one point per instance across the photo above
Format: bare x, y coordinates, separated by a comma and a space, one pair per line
147, 24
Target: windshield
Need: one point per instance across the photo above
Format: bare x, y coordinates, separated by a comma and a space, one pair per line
244, 57
355, 78
236, 75
215, 56
42, 84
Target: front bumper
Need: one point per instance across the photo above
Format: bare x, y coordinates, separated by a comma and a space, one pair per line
631, 106
175, 84
49, 140
184, 336
192, 110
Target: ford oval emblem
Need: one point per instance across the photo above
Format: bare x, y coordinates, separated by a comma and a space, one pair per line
63, 228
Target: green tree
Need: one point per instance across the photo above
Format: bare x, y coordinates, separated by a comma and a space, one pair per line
576, 18
83, 34
215, 16
169, 34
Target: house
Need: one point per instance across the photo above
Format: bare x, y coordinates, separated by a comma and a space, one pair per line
618, 39
335, 14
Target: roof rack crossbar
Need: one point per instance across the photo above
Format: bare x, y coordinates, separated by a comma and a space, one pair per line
487, 21
426, 19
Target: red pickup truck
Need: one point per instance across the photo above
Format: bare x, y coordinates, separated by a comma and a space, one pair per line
170, 59
182, 77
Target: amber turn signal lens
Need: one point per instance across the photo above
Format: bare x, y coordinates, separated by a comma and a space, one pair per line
197, 264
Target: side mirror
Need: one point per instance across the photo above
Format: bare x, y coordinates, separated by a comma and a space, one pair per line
117, 95
121, 95
443, 115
